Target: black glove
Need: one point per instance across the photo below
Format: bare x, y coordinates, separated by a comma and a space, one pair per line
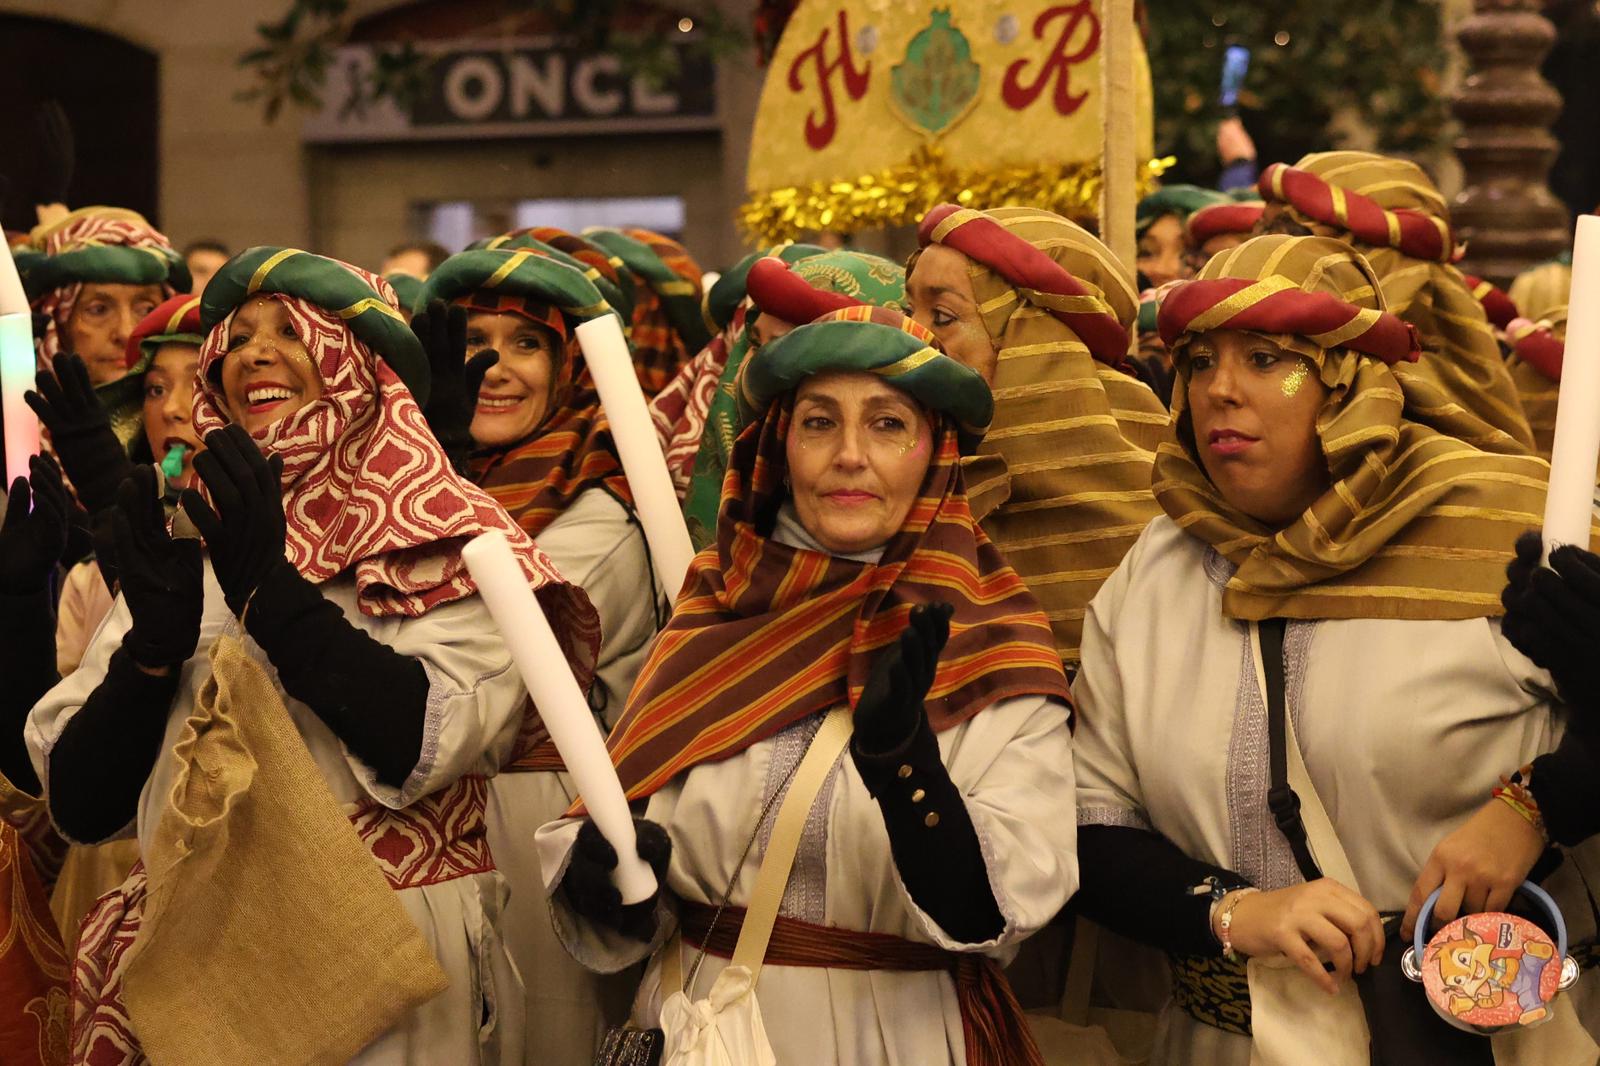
1553, 615
80, 431
588, 886
56, 158
890, 708
34, 533
245, 534
931, 835
456, 379
161, 576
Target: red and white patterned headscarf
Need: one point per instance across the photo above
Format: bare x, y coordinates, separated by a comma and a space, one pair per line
367, 488
83, 229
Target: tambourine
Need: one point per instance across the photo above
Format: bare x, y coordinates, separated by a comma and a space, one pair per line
1485, 973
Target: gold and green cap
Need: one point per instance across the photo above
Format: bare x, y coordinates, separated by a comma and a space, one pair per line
328, 284
879, 341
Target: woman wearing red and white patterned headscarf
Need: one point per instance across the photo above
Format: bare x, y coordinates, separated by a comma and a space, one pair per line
333, 525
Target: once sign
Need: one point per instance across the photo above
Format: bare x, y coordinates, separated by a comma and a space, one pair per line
518, 88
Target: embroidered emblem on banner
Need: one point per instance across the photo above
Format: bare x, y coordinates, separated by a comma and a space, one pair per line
936, 84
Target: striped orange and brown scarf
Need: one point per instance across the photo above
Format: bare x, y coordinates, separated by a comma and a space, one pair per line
570, 452
766, 634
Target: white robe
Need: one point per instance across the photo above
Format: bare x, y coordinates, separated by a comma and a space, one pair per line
594, 545
1404, 726
1013, 766
474, 706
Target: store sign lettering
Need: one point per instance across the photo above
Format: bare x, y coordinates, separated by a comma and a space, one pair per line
522, 88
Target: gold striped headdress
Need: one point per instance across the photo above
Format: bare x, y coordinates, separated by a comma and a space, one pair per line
1062, 481
1417, 524
1395, 216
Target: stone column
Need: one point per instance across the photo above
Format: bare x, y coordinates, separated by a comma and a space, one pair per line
1505, 211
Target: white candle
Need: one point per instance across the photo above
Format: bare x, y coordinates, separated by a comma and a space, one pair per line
560, 703
611, 364
16, 371
1569, 506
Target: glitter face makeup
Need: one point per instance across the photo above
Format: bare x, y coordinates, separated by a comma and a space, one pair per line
857, 450
1296, 378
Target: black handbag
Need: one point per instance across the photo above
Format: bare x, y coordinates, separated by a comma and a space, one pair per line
1404, 1029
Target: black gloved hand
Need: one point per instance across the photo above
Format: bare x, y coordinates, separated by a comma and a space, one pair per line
34, 533
80, 431
245, 534
588, 885
56, 158
1553, 615
161, 576
890, 708
442, 330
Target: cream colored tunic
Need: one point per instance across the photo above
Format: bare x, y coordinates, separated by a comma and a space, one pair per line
596, 546
475, 702
1404, 726
1013, 765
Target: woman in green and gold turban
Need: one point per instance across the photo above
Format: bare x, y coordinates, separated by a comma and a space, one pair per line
542, 448
94, 275
849, 600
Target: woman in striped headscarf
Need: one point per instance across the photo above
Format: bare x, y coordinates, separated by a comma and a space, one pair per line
93, 275
784, 291
849, 587
543, 450
1303, 488
333, 527
1042, 309
1389, 210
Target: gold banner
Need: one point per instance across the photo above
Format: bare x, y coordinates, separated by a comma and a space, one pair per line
876, 110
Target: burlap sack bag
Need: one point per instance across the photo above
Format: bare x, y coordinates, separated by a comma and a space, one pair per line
269, 934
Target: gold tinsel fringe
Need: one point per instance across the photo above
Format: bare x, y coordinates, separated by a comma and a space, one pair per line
901, 195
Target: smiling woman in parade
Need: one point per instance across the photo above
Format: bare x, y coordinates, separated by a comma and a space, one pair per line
337, 552
1327, 549
544, 452
848, 576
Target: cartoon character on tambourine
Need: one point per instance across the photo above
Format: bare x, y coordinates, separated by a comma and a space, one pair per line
1489, 972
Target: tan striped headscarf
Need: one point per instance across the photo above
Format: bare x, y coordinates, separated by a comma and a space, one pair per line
1062, 481
1410, 246
1417, 524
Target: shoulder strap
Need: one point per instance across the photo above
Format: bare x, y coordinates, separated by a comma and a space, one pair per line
1281, 797
787, 829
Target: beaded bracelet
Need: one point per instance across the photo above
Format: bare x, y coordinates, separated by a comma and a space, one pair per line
1514, 792
1225, 922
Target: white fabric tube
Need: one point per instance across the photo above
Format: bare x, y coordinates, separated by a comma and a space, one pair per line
605, 349
1569, 506
16, 371
560, 703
